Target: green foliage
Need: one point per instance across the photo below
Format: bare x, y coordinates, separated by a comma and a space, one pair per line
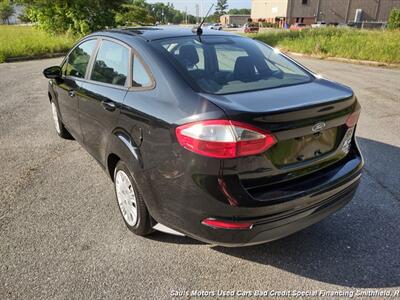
84, 16
17, 41
23, 17
141, 12
240, 11
394, 19
374, 45
269, 25
75, 16
213, 19
178, 18
222, 6
166, 13
134, 13
191, 19
6, 10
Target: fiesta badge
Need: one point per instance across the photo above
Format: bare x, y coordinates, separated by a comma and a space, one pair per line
318, 127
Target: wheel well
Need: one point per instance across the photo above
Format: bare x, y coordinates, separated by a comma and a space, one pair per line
112, 161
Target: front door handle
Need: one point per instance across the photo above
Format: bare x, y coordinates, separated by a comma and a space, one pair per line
71, 93
108, 105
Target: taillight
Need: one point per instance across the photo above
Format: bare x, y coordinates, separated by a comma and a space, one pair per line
224, 138
221, 224
353, 119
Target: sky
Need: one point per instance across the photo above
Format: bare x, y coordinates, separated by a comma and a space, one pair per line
191, 4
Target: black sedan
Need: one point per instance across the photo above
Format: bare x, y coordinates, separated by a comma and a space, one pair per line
210, 135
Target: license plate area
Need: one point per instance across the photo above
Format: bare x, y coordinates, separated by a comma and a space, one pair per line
304, 148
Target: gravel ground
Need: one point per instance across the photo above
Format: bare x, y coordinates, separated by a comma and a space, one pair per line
61, 235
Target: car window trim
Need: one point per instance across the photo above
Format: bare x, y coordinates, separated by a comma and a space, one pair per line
66, 59
147, 69
128, 81
92, 59
89, 69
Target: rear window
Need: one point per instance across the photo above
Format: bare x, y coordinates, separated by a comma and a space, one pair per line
224, 65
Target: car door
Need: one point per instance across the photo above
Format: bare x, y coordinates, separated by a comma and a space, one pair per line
137, 114
103, 93
68, 88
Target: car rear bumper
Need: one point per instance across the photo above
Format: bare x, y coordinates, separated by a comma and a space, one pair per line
182, 203
277, 226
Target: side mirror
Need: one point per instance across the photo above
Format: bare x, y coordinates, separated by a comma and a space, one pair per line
52, 72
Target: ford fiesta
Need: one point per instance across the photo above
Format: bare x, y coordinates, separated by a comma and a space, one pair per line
214, 136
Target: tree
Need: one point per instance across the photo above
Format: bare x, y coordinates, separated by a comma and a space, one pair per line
222, 6
76, 16
178, 17
191, 19
84, 16
134, 13
165, 13
240, 11
23, 17
6, 11
394, 19
215, 18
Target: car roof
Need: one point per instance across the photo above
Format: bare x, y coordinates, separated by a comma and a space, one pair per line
158, 32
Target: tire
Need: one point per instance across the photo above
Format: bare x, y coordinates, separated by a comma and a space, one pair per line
59, 126
129, 200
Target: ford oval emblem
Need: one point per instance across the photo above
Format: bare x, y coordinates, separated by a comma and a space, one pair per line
318, 127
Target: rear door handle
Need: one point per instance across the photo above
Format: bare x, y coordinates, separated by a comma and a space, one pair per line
71, 93
108, 105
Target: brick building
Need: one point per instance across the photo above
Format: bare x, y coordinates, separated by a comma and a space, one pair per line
238, 20
329, 11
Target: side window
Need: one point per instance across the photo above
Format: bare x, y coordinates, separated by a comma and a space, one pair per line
140, 77
78, 59
111, 64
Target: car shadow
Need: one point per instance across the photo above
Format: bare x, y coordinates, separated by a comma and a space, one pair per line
359, 246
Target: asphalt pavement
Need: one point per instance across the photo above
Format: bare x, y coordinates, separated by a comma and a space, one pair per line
61, 234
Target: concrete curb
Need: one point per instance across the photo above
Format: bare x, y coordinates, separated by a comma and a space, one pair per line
345, 60
34, 57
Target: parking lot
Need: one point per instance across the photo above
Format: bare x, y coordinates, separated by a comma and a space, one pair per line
61, 234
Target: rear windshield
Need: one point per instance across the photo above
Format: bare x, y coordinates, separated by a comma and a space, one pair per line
224, 65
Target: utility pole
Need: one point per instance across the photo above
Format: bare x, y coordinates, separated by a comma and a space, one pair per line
378, 10
318, 11
348, 11
197, 13
289, 12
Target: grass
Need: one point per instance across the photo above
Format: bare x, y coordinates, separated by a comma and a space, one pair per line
27, 41
373, 45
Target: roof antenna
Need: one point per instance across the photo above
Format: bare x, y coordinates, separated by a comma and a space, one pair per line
199, 30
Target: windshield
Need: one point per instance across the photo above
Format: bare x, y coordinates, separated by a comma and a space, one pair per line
224, 65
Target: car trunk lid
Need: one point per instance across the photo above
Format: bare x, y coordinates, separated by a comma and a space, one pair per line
308, 121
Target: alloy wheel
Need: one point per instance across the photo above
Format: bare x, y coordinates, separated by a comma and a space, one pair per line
126, 198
